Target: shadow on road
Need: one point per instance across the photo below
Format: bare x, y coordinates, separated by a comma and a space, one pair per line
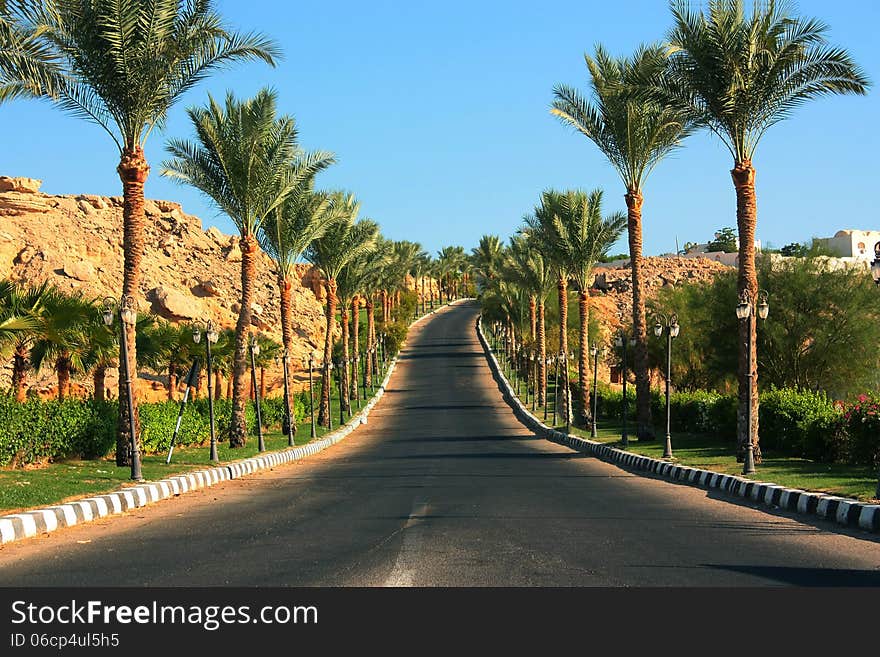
807, 576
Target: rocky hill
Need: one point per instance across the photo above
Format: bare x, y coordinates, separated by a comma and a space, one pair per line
75, 242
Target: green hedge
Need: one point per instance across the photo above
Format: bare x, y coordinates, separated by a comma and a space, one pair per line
36, 431
796, 423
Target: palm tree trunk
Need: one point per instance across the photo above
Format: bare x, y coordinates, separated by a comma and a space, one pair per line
584, 355
324, 410
229, 382
98, 377
62, 370
371, 336
133, 171
20, 366
542, 355
644, 422
746, 220
238, 428
343, 376
218, 385
284, 286
172, 381
355, 340
562, 291
533, 318
384, 306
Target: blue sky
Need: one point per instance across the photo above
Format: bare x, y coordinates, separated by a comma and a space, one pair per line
438, 114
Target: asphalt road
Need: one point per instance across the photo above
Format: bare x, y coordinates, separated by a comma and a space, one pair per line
444, 487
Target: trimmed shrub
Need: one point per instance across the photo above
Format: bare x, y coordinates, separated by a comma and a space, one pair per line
862, 421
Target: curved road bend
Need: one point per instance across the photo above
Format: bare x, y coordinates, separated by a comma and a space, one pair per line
445, 487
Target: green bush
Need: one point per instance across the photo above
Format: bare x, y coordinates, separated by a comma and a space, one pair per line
159, 419
35, 430
798, 423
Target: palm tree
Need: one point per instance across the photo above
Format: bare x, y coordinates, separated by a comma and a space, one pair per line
349, 287
738, 75
63, 341
343, 240
102, 351
287, 232
166, 348
487, 258
21, 317
122, 65
634, 133
372, 280
269, 350
528, 268
540, 228
583, 236
242, 162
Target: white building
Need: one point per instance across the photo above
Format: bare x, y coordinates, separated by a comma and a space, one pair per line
849, 243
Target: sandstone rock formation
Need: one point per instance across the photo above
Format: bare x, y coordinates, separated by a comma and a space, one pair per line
75, 242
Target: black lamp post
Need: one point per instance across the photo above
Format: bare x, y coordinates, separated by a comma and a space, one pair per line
745, 311
285, 357
125, 308
670, 325
595, 352
310, 361
254, 346
621, 341
211, 337
533, 365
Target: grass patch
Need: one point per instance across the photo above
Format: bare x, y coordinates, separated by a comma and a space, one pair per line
27, 488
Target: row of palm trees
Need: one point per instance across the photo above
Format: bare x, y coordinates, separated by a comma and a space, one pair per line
733, 72
558, 244
43, 328
123, 65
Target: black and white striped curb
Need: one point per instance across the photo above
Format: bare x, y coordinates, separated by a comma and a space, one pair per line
30, 523
844, 511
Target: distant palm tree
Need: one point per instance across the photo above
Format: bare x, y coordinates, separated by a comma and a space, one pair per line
122, 65
168, 349
21, 318
285, 234
64, 337
582, 236
344, 240
527, 267
540, 229
739, 75
372, 279
242, 162
634, 133
487, 258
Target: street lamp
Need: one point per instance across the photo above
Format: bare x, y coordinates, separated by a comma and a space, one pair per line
255, 351
211, 337
670, 324
621, 341
310, 361
745, 311
285, 357
595, 352
125, 308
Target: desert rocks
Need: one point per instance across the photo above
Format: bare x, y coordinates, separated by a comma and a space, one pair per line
21, 185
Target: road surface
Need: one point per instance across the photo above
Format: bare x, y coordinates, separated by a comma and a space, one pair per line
444, 487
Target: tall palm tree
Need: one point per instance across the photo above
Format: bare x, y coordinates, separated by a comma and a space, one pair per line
242, 162
526, 266
345, 239
373, 278
739, 75
634, 133
582, 237
287, 232
122, 65
21, 318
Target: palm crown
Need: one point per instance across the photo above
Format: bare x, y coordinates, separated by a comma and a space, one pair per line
122, 63
739, 75
633, 132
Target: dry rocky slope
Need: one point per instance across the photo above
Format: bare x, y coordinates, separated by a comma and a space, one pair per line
75, 242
